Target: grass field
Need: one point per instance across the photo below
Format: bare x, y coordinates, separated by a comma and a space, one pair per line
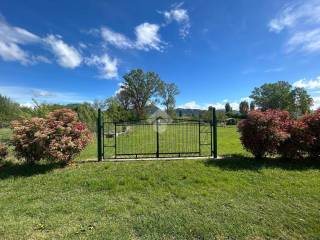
231, 198
187, 199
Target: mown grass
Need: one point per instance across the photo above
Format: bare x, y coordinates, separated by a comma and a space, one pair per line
235, 198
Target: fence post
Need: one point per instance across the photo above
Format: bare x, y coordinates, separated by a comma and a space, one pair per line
99, 135
157, 154
214, 125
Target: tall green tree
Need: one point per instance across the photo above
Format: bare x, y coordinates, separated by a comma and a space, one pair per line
301, 101
280, 95
228, 107
141, 87
168, 94
9, 110
252, 106
244, 107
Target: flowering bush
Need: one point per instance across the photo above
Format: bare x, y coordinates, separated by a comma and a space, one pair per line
3, 151
312, 135
30, 138
263, 132
68, 136
59, 137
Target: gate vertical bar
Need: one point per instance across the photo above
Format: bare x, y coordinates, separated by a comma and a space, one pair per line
99, 128
214, 122
199, 126
157, 154
115, 140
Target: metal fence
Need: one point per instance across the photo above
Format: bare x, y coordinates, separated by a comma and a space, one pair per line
156, 138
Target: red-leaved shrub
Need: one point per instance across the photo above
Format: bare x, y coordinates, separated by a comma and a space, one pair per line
263, 132
68, 136
312, 135
294, 147
3, 151
58, 137
30, 138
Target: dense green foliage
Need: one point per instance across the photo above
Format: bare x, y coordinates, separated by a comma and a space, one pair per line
9, 110
244, 107
280, 95
168, 94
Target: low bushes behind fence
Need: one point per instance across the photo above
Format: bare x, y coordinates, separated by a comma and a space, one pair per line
275, 132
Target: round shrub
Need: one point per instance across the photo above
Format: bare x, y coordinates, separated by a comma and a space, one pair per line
263, 132
58, 137
68, 136
30, 139
3, 151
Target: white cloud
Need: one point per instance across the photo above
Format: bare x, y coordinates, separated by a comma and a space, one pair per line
16, 35
12, 52
308, 84
316, 102
117, 39
217, 105
10, 39
306, 41
181, 16
67, 56
24, 95
302, 20
190, 105
148, 36
108, 67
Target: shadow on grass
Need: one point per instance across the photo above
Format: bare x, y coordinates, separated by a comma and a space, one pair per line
239, 162
26, 170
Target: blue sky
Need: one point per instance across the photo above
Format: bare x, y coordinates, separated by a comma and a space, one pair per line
215, 51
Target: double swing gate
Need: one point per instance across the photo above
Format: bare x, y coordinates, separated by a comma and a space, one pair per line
156, 138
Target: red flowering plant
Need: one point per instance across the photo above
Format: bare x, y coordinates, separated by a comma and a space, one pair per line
68, 136
263, 132
312, 135
3, 151
30, 139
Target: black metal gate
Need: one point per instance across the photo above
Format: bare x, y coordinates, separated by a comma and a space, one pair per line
156, 138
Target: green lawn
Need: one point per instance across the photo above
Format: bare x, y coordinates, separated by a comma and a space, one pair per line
185, 199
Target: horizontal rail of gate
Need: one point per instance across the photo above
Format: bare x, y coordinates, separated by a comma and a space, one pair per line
156, 139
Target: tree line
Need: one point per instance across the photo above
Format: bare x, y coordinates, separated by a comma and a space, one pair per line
278, 96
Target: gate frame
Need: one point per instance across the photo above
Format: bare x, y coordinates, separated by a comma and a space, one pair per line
213, 137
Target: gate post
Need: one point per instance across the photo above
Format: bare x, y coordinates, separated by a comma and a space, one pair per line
99, 133
214, 126
157, 154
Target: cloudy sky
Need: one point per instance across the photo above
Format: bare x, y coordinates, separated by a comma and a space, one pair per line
214, 50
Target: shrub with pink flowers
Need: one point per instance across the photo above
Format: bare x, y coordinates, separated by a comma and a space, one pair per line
3, 151
263, 132
58, 137
68, 136
30, 139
